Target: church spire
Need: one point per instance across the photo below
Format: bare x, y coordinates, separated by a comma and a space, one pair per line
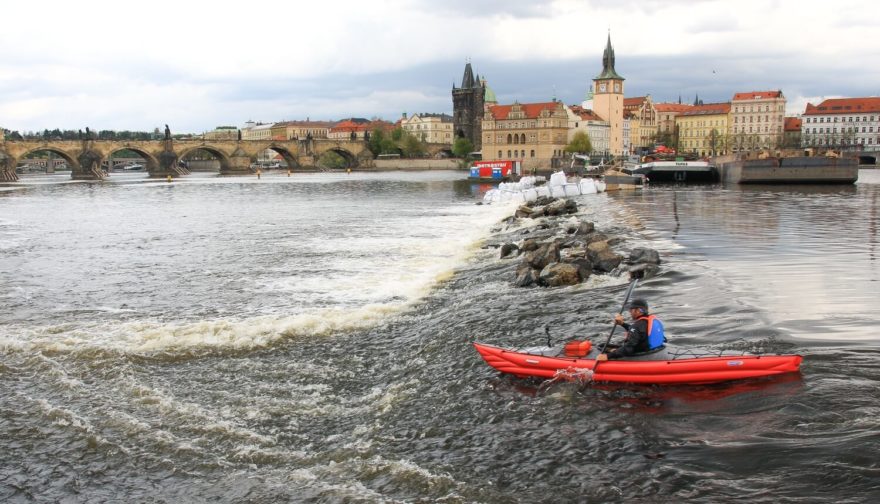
467, 80
608, 71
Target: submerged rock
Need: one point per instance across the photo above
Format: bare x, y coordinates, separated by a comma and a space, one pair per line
507, 249
557, 274
525, 276
644, 255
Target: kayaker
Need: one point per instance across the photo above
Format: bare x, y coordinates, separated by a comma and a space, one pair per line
644, 335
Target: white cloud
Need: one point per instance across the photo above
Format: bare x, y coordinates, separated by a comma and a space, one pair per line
115, 65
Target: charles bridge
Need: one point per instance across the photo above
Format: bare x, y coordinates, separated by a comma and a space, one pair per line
161, 157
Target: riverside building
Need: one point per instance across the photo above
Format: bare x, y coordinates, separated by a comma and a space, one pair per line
703, 129
643, 130
534, 133
757, 120
842, 123
429, 128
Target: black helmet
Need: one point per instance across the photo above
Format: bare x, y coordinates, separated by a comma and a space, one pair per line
638, 303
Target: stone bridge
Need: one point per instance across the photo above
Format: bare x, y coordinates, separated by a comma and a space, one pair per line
84, 157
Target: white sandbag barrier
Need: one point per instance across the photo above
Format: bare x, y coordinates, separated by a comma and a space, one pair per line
558, 186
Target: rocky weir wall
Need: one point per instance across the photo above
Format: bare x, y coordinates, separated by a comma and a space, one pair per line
556, 246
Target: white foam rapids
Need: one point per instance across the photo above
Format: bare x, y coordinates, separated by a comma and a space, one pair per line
359, 295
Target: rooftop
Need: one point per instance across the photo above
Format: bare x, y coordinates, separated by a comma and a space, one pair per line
531, 110
844, 106
757, 95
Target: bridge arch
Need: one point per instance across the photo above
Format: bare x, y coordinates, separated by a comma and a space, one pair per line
152, 164
222, 157
351, 160
290, 157
868, 159
68, 158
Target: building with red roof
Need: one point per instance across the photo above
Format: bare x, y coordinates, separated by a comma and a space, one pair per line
757, 120
588, 121
534, 133
666, 113
842, 123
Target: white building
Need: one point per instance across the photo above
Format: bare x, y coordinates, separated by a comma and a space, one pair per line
842, 123
599, 131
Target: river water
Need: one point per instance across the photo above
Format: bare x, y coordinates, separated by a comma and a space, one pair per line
307, 339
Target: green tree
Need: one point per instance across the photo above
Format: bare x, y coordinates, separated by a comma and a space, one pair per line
377, 137
397, 134
462, 147
580, 143
412, 146
332, 160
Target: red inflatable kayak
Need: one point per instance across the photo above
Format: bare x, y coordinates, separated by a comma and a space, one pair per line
674, 369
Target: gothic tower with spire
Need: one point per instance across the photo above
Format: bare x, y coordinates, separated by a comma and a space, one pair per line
608, 99
467, 107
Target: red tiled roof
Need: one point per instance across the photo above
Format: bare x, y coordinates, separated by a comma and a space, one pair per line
792, 124
757, 95
585, 114
708, 109
349, 126
532, 110
672, 107
844, 106
635, 102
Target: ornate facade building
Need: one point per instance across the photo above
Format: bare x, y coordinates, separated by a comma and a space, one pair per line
534, 133
644, 128
608, 99
467, 107
757, 120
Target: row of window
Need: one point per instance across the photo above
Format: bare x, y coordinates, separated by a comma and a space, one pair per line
870, 129
752, 108
752, 119
756, 129
841, 141
517, 154
842, 119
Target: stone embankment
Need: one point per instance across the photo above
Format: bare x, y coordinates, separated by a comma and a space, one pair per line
557, 246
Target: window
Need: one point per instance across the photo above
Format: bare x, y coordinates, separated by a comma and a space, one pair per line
533, 152
500, 155
509, 139
508, 154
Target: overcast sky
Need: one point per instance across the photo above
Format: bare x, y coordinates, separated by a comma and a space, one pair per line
195, 65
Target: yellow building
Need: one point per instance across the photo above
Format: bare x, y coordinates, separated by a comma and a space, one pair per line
222, 133
535, 133
430, 128
703, 129
608, 99
300, 130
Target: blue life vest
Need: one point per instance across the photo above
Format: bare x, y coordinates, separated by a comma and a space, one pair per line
656, 336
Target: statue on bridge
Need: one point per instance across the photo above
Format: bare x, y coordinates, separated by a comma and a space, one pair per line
88, 133
239, 135
167, 132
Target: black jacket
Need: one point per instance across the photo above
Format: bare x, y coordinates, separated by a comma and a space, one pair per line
636, 341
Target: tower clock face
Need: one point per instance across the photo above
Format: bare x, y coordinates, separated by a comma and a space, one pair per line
603, 87
616, 87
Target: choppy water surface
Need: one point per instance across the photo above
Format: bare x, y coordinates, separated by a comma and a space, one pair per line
308, 339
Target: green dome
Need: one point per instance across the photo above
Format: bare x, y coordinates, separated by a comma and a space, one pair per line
489, 95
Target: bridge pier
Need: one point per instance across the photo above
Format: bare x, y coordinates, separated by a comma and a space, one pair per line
239, 164
88, 164
7, 168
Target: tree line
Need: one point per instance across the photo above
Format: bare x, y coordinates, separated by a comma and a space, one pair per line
59, 134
